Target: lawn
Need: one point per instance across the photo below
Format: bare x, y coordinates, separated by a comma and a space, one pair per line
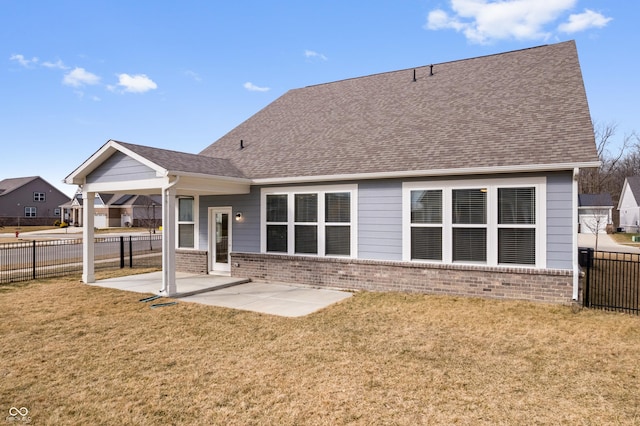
78, 354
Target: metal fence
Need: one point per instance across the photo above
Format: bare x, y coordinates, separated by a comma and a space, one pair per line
612, 280
30, 260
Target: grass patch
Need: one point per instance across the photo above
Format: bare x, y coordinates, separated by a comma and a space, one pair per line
625, 238
78, 354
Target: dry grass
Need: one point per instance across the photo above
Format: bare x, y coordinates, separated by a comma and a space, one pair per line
76, 354
625, 238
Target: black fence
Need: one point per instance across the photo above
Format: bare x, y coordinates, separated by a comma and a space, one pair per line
30, 260
612, 280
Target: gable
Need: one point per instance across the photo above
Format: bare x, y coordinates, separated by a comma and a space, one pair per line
120, 168
513, 111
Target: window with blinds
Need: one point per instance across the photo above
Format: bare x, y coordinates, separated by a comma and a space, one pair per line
516, 226
426, 225
469, 220
492, 222
277, 226
337, 218
310, 222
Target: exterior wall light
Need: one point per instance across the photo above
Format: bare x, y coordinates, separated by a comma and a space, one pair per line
239, 217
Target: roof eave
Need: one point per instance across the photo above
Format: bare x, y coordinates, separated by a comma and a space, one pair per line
527, 168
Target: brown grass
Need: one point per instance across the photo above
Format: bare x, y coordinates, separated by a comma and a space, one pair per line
77, 354
625, 238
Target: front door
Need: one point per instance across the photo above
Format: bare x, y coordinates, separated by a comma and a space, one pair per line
220, 239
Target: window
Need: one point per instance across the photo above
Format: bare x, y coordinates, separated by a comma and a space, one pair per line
317, 221
516, 225
186, 223
30, 212
56, 212
469, 221
492, 222
39, 196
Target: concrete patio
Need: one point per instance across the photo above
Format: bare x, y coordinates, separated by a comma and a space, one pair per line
286, 300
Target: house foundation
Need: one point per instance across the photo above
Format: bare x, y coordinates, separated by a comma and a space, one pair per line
549, 285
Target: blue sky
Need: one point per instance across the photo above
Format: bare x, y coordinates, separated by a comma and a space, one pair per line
179, 75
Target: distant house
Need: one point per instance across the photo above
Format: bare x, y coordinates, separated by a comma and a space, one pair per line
629, 205
29, 201
112, 210
594, 213
452, 178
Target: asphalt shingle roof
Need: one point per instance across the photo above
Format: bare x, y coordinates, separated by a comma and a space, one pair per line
511, 109
176, 161
595, 200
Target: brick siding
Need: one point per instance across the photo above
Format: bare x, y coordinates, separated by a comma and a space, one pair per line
194, 261
555, 286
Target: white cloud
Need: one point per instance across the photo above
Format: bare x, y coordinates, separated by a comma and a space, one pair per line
193, 75
311, 55
80, 77
253, 88
57, 65
138, 83
27, 63
484, 21
583, 21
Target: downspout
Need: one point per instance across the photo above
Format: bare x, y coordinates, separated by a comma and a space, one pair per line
165, 204
574, 218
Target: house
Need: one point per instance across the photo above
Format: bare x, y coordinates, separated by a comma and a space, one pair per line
629, 205
452, 178
117, 211
594, 213
29, 201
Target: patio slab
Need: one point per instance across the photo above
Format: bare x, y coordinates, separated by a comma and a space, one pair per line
288, 300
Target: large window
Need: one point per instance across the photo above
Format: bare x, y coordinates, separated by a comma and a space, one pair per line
492, 222
317, 221
186, 223
30, 212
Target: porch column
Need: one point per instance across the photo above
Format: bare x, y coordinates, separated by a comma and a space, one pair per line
169, 242
88, 244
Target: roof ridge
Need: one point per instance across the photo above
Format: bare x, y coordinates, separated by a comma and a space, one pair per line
436, 63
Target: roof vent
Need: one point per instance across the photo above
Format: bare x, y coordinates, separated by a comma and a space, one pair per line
241, 144
414, 75
430, 70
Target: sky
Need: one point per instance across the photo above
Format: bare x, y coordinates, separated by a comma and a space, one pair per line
180, 74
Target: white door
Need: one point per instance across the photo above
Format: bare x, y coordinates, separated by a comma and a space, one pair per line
220, 239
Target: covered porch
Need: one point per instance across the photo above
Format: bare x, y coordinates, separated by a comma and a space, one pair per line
122, 168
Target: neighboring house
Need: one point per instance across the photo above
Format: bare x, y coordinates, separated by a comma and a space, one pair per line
594, 213
629, 205
456, 178
117, 211
29, 201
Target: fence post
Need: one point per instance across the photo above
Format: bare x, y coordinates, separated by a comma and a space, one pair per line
587, 279
34, 259
121, 251
130, 253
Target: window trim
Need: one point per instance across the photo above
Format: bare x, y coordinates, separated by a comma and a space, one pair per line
321, 223
492, 226
32, 211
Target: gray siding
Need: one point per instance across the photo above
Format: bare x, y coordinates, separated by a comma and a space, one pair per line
246, 234
380, 220
120, 168
559, 221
